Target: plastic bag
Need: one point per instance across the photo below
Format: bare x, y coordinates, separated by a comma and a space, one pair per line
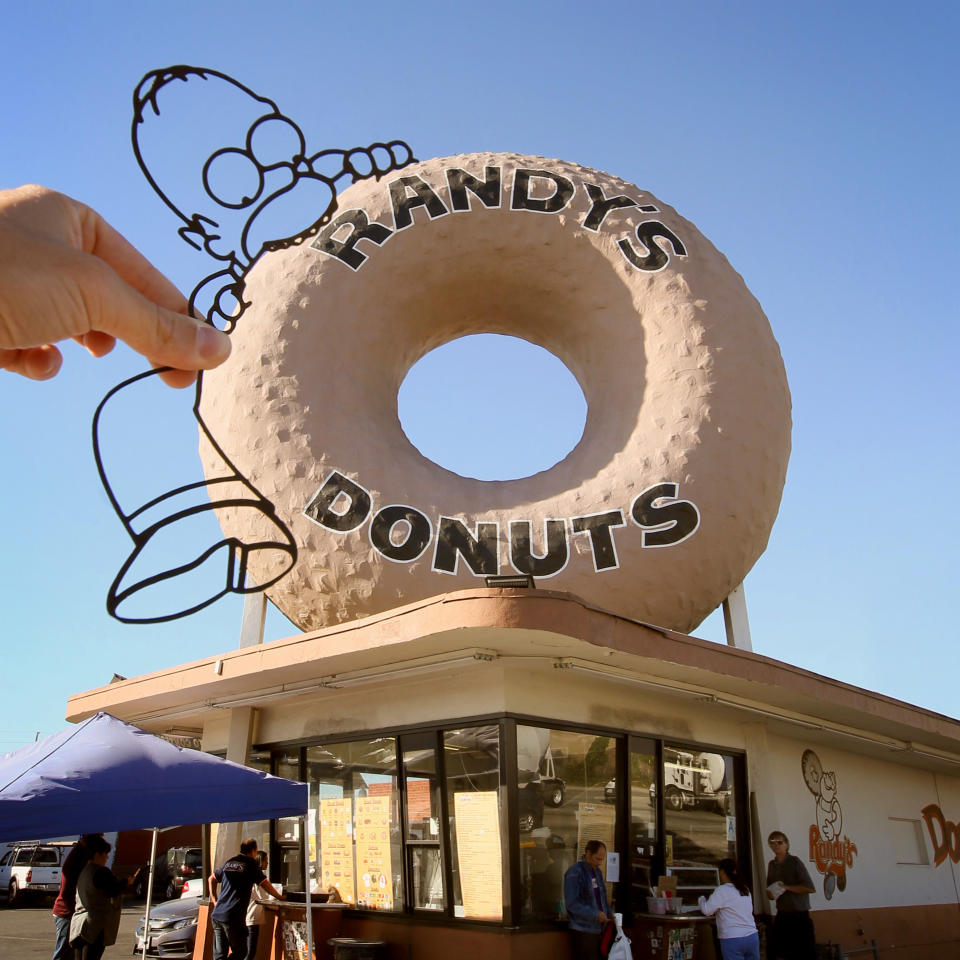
620, 949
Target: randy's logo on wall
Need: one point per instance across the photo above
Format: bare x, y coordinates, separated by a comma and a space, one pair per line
830, 849
944, 834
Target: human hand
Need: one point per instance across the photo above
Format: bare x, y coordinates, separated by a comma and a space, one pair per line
65, 272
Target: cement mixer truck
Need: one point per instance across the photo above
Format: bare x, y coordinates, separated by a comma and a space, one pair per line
692, 780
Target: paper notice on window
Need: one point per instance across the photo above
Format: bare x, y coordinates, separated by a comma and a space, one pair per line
336, 847
374, 872
418, 800
478, 853
597, 821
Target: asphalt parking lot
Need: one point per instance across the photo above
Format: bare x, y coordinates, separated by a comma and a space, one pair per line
27, 932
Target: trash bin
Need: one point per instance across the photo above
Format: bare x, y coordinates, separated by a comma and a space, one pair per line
349, 948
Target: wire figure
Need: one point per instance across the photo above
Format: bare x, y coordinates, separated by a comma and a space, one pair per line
245, 186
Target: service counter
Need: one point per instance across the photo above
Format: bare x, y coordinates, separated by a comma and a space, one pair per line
289, 940
284, 932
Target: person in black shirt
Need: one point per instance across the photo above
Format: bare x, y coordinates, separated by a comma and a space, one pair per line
237, 877
793, 936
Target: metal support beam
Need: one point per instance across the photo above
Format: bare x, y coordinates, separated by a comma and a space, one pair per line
735, 620
253, 619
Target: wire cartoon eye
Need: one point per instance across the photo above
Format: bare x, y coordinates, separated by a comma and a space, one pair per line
232, 178
275, 140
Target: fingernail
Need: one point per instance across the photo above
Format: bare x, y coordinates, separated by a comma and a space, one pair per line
212, 343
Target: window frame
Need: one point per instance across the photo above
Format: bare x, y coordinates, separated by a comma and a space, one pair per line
626, 741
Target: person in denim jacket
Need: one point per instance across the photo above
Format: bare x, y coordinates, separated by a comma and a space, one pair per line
585, 896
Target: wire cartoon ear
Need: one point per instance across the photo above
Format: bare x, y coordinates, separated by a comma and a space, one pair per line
257, 190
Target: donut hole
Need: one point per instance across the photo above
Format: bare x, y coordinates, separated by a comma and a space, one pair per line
492, 407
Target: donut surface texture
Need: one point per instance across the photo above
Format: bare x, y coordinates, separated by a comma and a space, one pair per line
659, 511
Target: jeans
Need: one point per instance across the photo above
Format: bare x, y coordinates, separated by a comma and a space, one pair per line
230, 939
253, 936
741, 948
62, 951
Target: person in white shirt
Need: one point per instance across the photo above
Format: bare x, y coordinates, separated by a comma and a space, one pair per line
733, 905
256, 915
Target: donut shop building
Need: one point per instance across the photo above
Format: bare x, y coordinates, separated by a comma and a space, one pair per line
463, 735
491, 732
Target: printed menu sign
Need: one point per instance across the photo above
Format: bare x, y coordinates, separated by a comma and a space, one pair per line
478, 852
336, 847
374, 873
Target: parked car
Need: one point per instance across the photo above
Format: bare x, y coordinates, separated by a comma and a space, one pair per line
32, 869
552, 787
171, 872
531, 806
5, 869
172, 930
192, 888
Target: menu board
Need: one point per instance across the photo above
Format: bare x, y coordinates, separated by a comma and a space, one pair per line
374, 873
336, 846
478, 853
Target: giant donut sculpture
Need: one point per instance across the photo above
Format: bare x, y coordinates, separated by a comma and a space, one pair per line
659, 511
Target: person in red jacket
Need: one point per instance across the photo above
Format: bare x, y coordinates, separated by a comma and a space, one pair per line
66, 902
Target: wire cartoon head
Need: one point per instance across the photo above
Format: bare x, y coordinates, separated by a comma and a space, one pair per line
240, 178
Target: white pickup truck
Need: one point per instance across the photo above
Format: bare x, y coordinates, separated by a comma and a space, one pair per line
31, 868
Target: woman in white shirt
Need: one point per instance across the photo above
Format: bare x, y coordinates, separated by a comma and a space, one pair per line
733, 905
256, 915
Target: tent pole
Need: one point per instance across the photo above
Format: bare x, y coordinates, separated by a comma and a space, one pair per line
306, 875
146, 915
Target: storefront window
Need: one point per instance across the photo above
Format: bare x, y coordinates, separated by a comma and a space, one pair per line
643, 818
700, 826
353, 841
260, 829
567, 795
290, 866
472, 767
422, 821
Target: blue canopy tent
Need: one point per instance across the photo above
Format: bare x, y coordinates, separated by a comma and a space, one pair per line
104, 774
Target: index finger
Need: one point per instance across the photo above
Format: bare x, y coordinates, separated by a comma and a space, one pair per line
103, 241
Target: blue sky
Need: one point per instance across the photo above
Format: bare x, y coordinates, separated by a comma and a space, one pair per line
814, 144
